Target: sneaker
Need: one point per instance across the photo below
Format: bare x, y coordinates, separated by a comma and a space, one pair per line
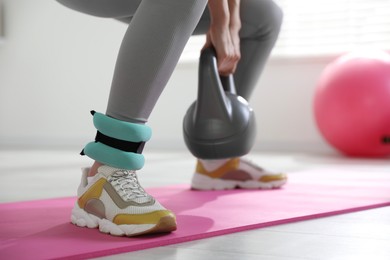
114, 202
234, 173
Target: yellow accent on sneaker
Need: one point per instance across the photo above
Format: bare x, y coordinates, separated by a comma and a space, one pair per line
94, 192
147, 218
219, 172
273, 177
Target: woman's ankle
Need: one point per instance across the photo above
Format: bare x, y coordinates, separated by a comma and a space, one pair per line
94, 168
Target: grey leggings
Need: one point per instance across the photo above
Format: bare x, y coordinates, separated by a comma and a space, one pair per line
157, 34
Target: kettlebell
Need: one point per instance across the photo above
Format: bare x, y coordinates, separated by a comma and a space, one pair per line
219, 124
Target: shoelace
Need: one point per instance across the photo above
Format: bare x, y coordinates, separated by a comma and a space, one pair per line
127, 182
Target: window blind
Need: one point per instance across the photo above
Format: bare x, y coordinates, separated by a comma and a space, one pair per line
326, 27
313, 28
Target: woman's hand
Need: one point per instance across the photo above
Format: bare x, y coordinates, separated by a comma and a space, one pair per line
227, 45
223, 34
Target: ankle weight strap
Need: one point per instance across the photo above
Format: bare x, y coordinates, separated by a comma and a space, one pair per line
118, 143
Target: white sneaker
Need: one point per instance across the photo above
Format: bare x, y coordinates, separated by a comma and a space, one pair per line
115, 202
234, 173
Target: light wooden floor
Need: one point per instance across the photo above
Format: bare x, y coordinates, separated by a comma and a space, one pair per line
36, 174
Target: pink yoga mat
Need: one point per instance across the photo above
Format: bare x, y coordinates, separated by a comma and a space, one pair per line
41, 229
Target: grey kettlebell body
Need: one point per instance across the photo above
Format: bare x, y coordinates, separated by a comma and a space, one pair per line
219, 124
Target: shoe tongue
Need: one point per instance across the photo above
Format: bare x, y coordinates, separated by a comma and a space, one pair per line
106, 170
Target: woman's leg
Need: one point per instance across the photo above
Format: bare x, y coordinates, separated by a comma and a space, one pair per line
112, 198
261, 21
149, 54
151, 48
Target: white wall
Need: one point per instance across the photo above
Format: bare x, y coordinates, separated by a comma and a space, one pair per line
56, 65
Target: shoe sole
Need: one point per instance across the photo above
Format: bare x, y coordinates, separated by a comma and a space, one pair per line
202, 182
81, 218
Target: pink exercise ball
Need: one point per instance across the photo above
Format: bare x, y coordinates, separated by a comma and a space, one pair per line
352, 104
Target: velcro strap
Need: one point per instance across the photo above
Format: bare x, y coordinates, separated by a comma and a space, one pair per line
125, 146
113, 157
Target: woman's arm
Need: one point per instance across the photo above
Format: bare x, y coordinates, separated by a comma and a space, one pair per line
223, 33
235, 23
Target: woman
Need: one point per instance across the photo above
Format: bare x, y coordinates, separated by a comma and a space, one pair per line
243, 34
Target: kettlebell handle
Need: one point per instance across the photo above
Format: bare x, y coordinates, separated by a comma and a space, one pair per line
206, 57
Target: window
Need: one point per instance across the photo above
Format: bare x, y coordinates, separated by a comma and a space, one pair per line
324, 27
